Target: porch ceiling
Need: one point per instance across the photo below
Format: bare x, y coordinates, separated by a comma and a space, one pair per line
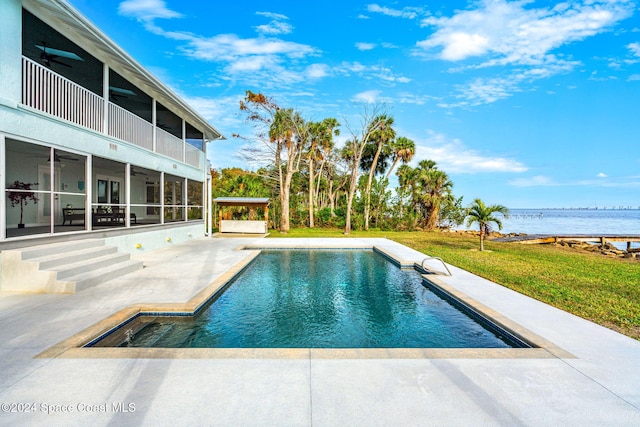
64, 18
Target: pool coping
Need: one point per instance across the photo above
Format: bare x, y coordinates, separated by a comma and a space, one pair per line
76, 345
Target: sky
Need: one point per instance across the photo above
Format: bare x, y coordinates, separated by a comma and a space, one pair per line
529, 104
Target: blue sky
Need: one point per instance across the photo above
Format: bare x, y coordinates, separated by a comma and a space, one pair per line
530, 104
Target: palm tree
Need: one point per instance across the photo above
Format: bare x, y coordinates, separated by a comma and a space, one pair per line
382, 134
431, 186
483, 215
290, 131
403, 149
321, 143
406, 180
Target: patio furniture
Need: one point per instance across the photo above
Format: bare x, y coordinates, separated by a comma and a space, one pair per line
70, 214
114, 215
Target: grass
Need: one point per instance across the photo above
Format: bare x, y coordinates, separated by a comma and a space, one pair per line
603, 290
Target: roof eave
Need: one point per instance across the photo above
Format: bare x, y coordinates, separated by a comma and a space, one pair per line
159, 90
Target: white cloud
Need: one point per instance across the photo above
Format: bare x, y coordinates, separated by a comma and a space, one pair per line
242, 56
412, 98
316, 71
510, 33
634, 48
252, 63
602, 175
146, 10
407, 12
275, 16
462, 45
488, 90
230, 47
534, 181
453, 156
371, 72
367, 97
276, 26
354, 67
217, 110
266, 60
518, 36
365, 46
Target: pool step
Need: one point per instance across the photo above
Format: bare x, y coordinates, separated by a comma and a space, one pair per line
64, 267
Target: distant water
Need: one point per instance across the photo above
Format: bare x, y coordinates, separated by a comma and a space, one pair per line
573, 221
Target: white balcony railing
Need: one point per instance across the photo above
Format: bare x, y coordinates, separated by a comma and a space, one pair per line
129, 127
51, 93
192, 156
169, 145
46, 91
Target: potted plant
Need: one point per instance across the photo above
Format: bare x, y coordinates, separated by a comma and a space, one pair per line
21, 196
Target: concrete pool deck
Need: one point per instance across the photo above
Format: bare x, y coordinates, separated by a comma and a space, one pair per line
599, 385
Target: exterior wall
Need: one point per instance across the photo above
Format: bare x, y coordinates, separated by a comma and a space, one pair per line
155, 239
11, 48
37, 127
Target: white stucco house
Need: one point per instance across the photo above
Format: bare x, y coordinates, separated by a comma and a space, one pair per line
91, 142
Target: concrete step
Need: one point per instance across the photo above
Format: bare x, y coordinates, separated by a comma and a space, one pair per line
64, 267
96, 277
58, 248
51, 261
89, 265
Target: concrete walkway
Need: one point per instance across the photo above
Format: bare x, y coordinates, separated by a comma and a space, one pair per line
599, 386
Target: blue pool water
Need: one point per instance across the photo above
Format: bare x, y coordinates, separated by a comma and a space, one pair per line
322, 299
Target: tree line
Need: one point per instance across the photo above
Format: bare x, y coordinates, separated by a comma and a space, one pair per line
312, 182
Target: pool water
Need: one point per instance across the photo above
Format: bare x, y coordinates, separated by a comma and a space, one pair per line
323, 299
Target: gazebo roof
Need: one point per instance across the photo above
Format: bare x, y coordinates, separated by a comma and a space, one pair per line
242, 201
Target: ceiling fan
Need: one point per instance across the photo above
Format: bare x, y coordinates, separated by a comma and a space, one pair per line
57, 158
50, 55
116, 93
135, 172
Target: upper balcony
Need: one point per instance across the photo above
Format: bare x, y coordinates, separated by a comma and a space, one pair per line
49, 92
98, 87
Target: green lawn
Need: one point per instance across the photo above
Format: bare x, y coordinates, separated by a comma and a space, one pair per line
603, 290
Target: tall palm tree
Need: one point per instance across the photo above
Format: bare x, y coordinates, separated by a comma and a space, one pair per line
403, 149
316, 131
483, 215
431, 187
382, 134
291, 133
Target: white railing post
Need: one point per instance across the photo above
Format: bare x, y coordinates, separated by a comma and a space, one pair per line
3, 196
184, 141
185, 199
154, 119
88, 180
127, 195
52, 188
161, 197
209, 204
105, 96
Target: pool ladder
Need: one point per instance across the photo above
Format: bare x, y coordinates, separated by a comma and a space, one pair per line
437, 258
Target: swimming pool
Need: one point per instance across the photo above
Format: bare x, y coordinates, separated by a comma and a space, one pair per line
320, 299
